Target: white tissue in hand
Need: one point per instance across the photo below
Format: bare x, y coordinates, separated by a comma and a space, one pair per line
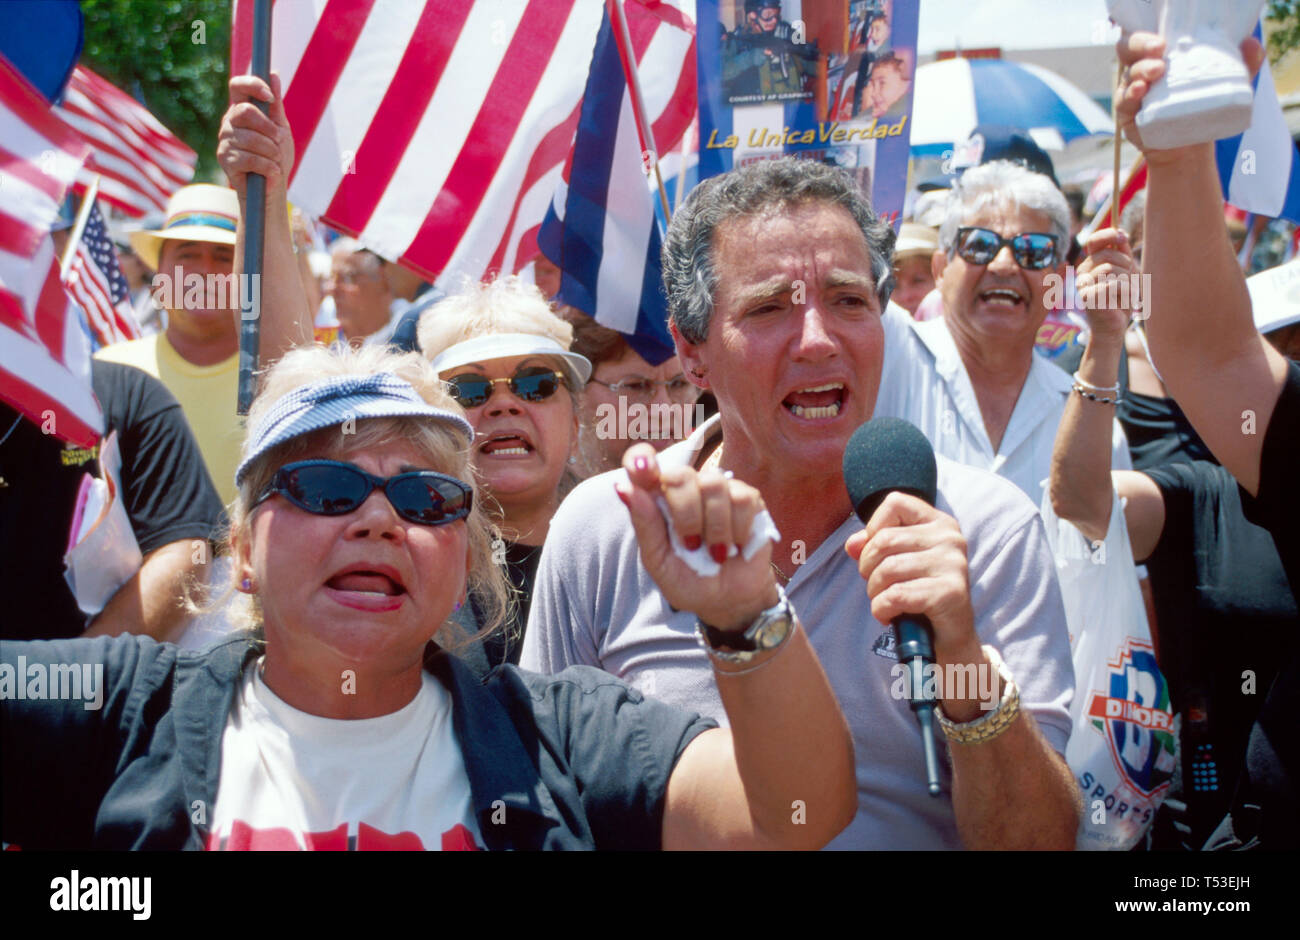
761, 530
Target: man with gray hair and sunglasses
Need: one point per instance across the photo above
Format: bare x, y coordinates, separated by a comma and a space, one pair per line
970, 379
777, 276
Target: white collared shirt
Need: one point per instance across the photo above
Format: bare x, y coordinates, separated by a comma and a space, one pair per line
924, 381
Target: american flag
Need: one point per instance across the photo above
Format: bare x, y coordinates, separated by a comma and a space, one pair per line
95, 281
140, 162
601, 230
435, 132
44, 355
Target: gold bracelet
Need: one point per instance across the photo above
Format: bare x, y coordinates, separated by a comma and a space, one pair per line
995, 722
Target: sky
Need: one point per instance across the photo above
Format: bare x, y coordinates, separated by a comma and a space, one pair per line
1010, 24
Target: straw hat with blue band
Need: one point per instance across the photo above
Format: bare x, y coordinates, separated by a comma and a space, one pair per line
577, 367
198, 213
330, 402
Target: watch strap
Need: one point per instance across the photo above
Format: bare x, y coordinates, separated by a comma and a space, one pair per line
989, 726
743, 646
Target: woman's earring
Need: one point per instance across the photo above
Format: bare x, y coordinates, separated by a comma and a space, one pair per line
573, 459
246, 585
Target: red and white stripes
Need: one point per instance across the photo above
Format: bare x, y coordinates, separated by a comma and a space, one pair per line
44, 354
436, 132
141, 162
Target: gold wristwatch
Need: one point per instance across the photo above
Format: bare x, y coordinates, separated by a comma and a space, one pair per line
987, 727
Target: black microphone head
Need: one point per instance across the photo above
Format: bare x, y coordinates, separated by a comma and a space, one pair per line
884, 455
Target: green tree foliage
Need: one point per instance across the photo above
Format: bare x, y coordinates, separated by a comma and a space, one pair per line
151, 49
1283, 27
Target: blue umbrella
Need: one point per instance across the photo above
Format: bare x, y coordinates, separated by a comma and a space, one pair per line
953, 96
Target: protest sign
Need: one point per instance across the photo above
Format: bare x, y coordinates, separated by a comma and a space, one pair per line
827, 80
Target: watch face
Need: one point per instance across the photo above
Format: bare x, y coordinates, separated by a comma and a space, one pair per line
773, 633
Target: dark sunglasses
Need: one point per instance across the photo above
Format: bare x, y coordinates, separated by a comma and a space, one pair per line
1033, 251
534, 383
334, 488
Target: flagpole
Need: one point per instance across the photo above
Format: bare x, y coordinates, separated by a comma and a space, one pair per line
250, 315
681, 172
1112, 201
1119, 138
83, 214
639, 111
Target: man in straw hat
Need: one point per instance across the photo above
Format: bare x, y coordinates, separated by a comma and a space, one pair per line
915, 247
197, 257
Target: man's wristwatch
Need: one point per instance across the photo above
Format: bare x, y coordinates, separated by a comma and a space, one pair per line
989, 726
770, 629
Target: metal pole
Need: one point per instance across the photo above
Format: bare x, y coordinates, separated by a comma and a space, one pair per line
250, 314
638, 100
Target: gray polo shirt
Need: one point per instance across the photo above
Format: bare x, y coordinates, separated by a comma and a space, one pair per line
594, 604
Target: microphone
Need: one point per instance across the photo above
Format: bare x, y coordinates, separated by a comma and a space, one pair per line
883, 456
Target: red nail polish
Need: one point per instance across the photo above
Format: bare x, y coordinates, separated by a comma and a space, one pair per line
718, 552
692, 542
623, 497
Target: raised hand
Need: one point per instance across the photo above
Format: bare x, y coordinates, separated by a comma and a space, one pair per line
913, 559
253, 142
706, 508
1142, 55
1108, 292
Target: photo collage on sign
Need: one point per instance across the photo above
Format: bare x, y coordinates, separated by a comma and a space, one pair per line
827, 80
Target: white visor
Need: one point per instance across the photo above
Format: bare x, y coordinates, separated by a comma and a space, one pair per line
506, 345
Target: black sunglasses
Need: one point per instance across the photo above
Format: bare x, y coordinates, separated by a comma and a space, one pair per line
534, 383
334, 488
1033, 251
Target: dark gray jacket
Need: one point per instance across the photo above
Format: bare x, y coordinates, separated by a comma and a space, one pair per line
578, 760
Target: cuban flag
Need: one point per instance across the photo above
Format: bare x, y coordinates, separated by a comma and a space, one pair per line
1260, 169
601, 229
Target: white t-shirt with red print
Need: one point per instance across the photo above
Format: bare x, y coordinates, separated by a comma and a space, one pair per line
290, 780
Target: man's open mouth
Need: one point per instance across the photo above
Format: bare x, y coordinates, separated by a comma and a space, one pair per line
819, 401
1001, 295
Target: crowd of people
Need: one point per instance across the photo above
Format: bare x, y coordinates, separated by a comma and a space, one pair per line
438, 591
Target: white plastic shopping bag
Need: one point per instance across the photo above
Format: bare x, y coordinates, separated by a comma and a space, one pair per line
1123, 749
102, 551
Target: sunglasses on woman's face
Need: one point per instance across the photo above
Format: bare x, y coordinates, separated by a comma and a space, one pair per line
1033, 251
334, 488
533, 383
